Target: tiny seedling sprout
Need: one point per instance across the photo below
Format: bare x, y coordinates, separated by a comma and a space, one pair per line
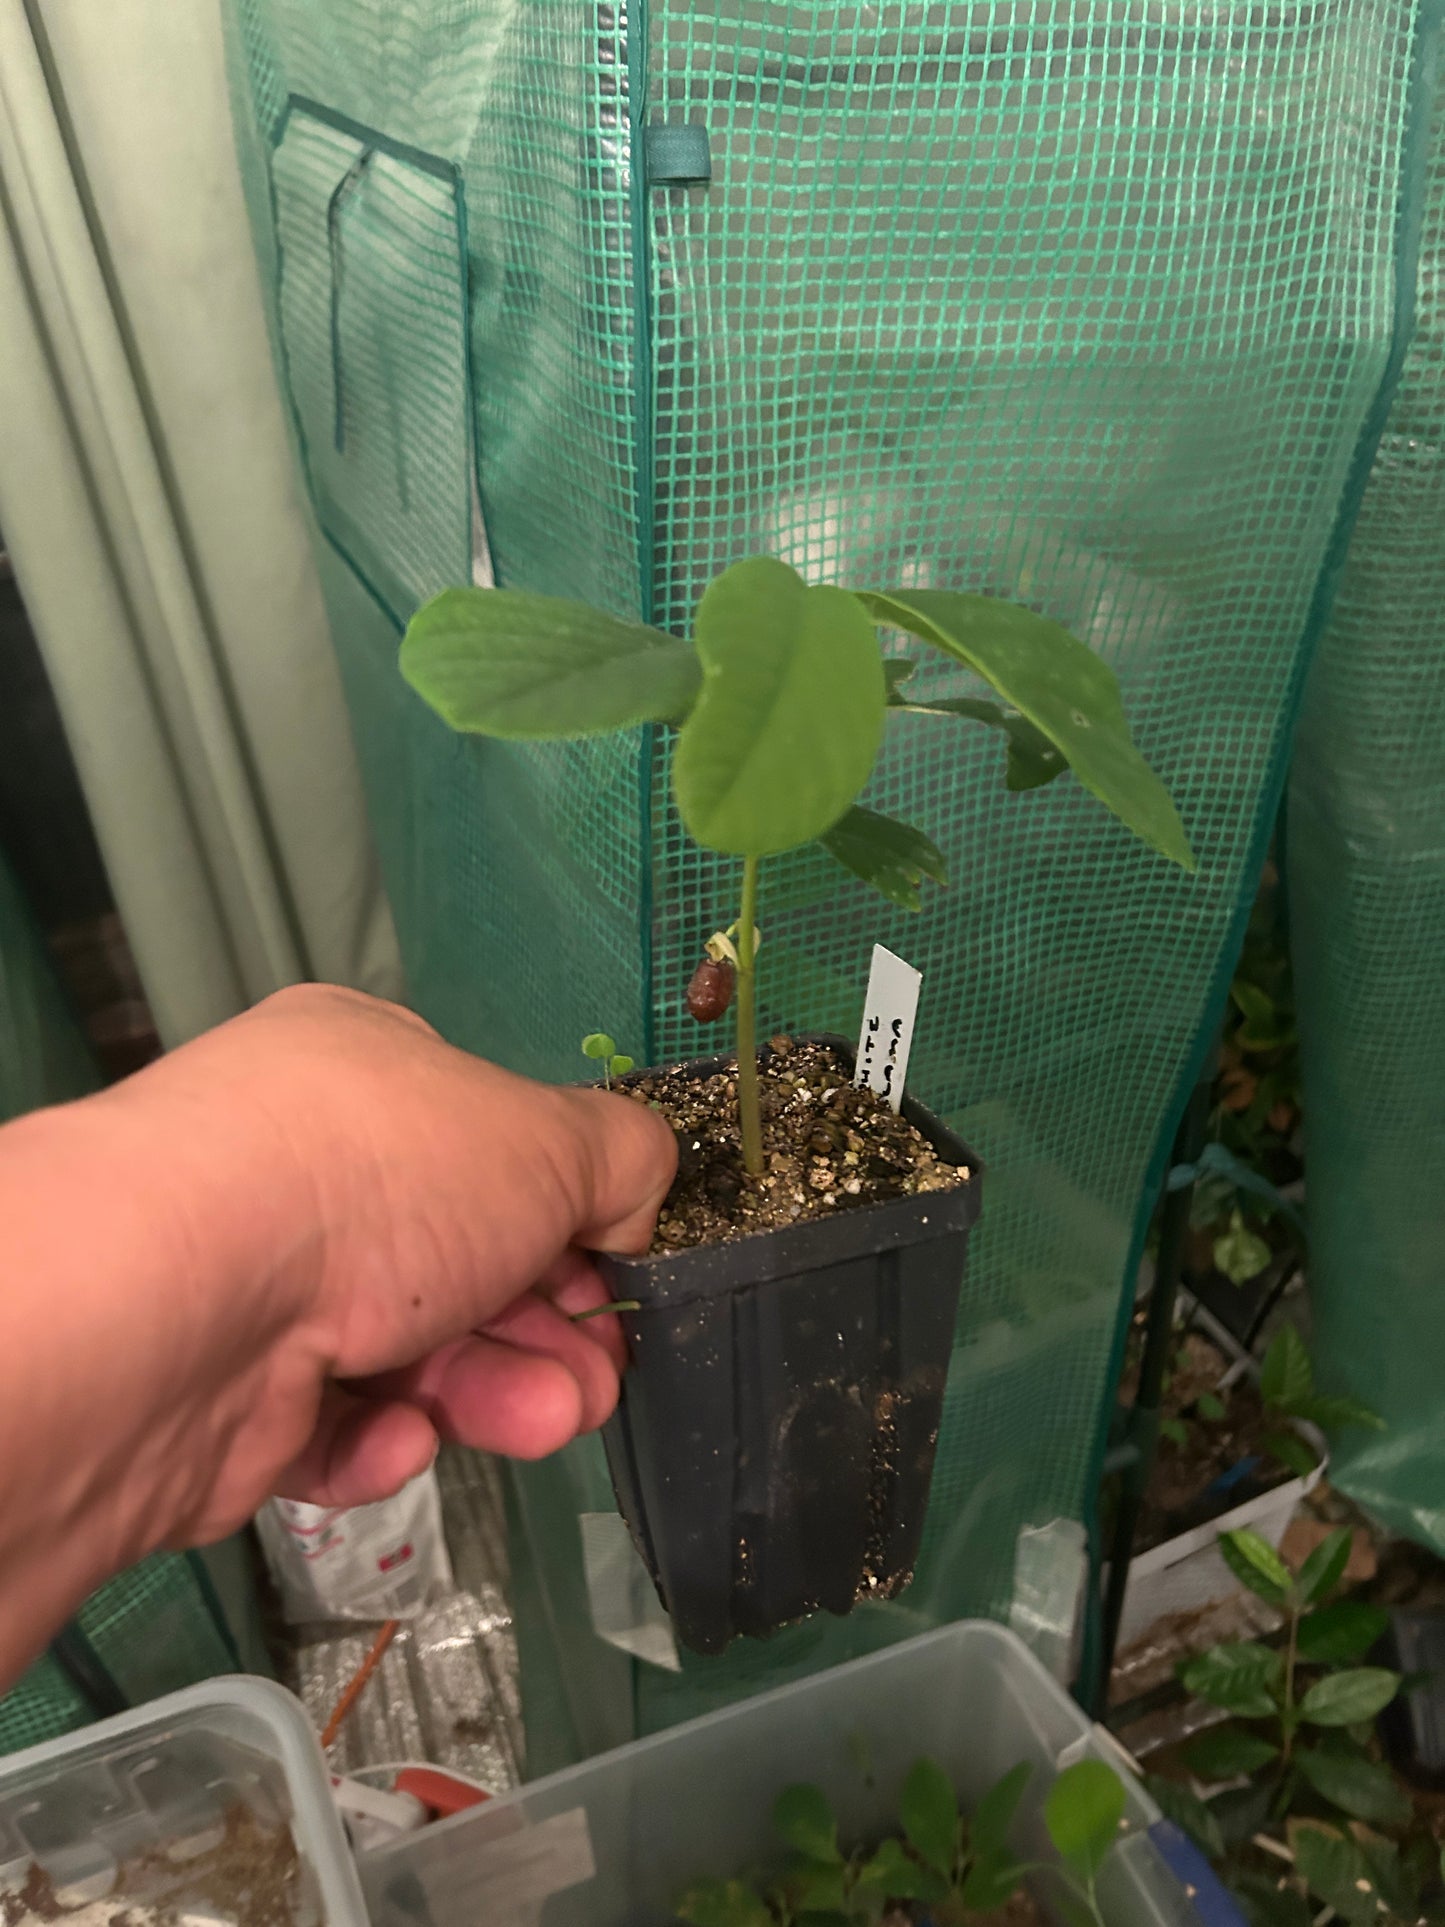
601, 1049
779, 707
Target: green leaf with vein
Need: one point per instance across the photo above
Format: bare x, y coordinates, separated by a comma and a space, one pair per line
784, 733
803, 1818
1323, 1570
1286, 1375
532, 667
1359, 1786
1225, 1752
1292, 1451
817, 1886
1333, 1413
1334, 1868
1057, 683
928, 1811
1340, 1699
989, 1824
893, 857
991, 1882
1256, 1564
1335, 1635
1239, 1676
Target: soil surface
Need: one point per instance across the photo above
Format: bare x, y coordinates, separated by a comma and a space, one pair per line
252, 1876
827, 1146
1022, 1910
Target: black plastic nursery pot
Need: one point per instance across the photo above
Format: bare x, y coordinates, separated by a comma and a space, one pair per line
774, 1446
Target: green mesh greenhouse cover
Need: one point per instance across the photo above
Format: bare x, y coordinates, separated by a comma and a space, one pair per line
1093, 303
156, 1628
1367, 879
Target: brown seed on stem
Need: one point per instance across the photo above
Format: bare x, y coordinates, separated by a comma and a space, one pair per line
711, 990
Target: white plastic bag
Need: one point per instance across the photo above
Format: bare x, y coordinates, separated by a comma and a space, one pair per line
386, 1561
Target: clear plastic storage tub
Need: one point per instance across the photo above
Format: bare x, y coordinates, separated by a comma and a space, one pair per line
212, 1806
614, 1843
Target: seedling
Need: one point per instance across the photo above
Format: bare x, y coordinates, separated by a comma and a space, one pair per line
948, 1865
602, 1050
779, 706
1304, 1716
1287, 1387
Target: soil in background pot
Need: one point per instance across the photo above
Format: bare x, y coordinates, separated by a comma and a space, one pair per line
829, 1148
1190, 1481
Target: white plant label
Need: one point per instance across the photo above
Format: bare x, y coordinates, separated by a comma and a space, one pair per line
888, 1018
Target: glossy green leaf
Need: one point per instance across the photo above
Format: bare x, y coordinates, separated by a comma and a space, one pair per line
1239, 1253
1334, 1868
989, 1824
1342, 1698
1082, 1815
1323, 1570
893, 1874
1292, 1451
1286, 1376
1256, 1564
991, 1882
784, 733
1059, 685
1359, 1786
598, 1045
724, 1903
1225, 1752
928, 1812
803, 1818
1239, 1676
1188, 1812
893, 857
502, 662
1337, 1634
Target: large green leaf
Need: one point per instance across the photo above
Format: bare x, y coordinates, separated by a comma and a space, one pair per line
1340, 1699
1058, 684
1256, 1564
1337, 1634
892, 856
928, 1811
1359, 1786
501, 662
1286, 1376
817, 1886
1269, 1902
784, 733
1325, 1567
1224, 1752
1237, 1676
1332, 1412
1082, 1815
803, 1818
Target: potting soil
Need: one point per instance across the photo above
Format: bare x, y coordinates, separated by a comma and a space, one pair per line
1098, 306
827, 1148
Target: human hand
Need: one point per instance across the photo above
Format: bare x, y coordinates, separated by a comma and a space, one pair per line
292, 1256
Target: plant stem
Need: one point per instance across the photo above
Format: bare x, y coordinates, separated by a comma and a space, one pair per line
749, 1114
1289, 1719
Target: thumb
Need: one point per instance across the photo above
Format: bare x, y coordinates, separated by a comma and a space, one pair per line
631, 1160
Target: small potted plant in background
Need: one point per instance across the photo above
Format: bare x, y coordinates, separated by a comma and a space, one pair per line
775, 1443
